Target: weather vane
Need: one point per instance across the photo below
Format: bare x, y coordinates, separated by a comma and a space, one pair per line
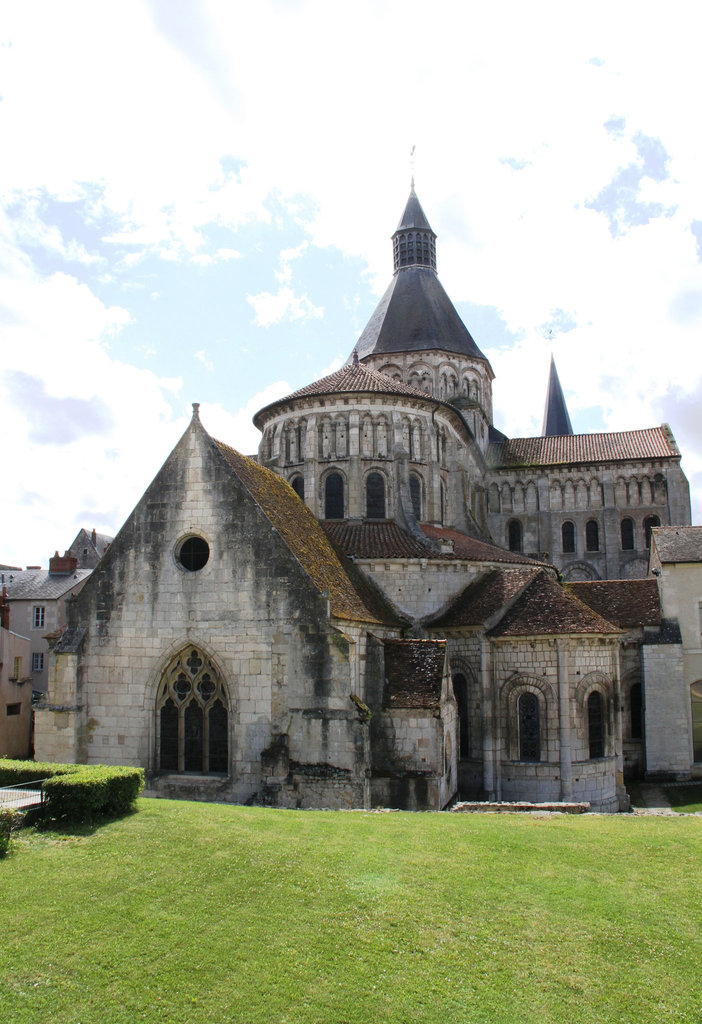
412, 164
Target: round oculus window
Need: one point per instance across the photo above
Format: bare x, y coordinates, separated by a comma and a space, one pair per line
193, 553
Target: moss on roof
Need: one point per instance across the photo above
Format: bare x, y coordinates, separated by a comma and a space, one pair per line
300, 531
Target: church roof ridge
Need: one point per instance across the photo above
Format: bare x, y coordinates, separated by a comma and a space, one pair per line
546, 608
649, 443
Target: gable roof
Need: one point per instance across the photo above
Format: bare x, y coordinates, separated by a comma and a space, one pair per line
678, 543
545, 608
483, 598
470, 549
414, 672
351, 596
626, 603
40, 585
653, 443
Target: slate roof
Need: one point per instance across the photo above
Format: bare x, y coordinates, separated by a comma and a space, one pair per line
414, 671
556, 418
653, 443
545, 608
626, 603
484, 597
351, 595
39, 584
414, 315
352, 378
413, 216
678, 543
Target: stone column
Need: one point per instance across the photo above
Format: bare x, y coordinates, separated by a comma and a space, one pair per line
490, 783
564, 719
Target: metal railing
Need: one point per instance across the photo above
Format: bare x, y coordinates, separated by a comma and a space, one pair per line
22, 796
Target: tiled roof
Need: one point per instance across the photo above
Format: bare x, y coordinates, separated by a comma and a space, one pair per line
484, 598
654, 443
414, 672
626, 603
545, 608
38, 584
471, 550
351, 595
380, 539
678, 543
352, 378
385, 539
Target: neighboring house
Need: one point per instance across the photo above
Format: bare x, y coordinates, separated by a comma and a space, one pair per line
15, 688
676, 561
88, 548
37, 598
355, 619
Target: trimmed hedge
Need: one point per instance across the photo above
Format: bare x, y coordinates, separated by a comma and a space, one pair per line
14, 773
92, 791
5, 829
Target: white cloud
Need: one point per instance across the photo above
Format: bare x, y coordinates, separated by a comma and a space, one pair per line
204, 359
272, 308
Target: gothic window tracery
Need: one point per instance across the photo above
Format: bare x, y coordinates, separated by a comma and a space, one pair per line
192, 716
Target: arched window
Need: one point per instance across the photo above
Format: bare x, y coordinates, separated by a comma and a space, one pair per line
529, 730
298, 485
416, 495
595, 724
460, 690
375, 496
568, 537
192, 717
334, 497
592, 536
636, 711
514, 535
696, 698
627, 531
649, 523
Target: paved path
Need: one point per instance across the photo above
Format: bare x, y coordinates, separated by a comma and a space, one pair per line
653, 800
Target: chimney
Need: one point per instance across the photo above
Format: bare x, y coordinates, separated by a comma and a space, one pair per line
62, 565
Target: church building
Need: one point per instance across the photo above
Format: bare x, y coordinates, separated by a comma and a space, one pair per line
372, 612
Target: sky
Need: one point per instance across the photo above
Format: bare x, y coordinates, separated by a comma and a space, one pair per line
197, 199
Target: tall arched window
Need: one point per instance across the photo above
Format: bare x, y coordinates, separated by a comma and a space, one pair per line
636, 711
416, 495
375, 496
627, 531
595, 724
649, 523
298, 485
514, 535
696, 698
529, 728
334, 497
192, 716
592, 535
460, 690
568, 537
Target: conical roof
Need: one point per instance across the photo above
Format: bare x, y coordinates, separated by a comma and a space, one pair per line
556, 418
416, 314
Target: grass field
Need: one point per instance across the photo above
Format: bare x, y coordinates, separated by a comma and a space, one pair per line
190, 912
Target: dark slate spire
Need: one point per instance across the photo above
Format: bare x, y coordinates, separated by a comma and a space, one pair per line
414, 242
556, 418
415, 314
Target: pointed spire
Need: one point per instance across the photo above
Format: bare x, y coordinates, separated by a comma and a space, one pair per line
556, 418
414, 242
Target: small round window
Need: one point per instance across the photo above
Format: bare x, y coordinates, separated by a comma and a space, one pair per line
193, 553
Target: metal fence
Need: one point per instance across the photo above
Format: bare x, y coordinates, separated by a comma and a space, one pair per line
23, 796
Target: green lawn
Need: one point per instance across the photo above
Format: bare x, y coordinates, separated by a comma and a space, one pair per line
190, 912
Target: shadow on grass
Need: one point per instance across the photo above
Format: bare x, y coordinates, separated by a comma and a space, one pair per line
36, 819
